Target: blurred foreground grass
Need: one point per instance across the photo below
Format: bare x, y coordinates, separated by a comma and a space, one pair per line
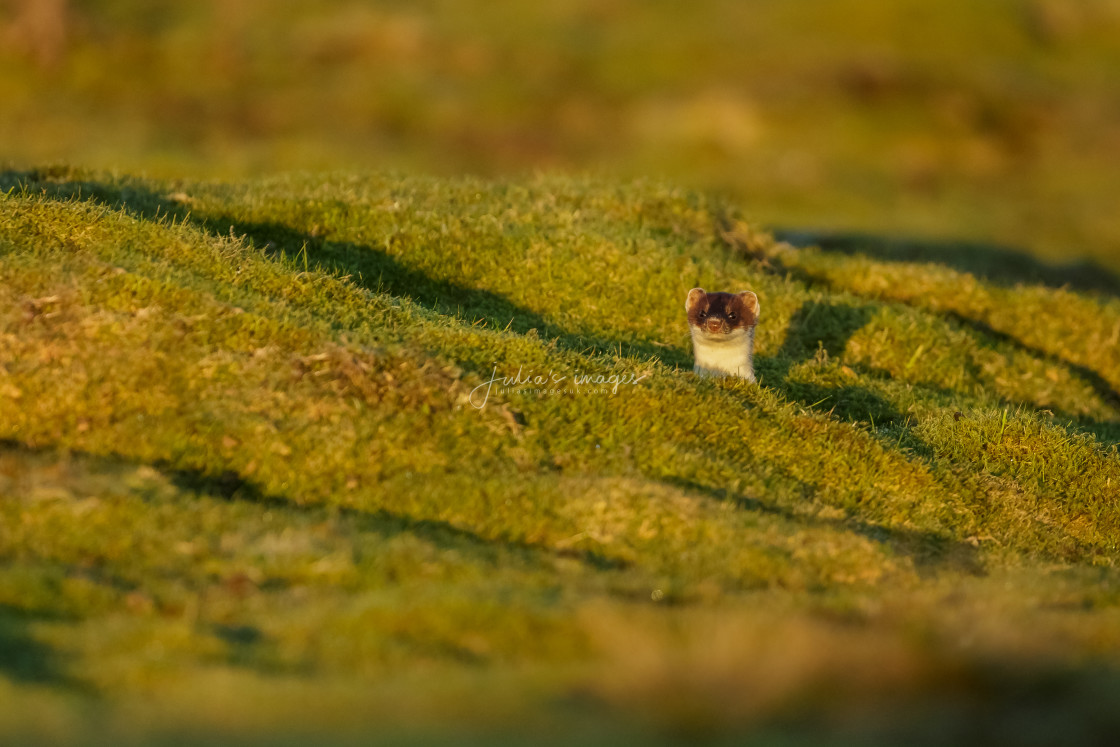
246, 495
997, 121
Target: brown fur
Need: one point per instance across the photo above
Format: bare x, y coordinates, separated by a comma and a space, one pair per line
721, 312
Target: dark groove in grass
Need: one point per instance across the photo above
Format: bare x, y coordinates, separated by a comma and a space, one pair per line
1100, 385
930, 552
26, 660
999, 265
824, 329
1107, 432
366, 266
380, 272
229, 485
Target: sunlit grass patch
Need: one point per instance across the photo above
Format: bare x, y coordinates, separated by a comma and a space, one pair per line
263, 434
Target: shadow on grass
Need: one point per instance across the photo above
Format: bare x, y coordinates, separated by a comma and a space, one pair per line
229, 485
369, 267
1107, 431
1104, 430
381, 272
25, 660
815, 327
930, 552
819, 331
822, 330
995, 264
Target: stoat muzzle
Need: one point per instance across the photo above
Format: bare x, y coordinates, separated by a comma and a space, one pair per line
722, 327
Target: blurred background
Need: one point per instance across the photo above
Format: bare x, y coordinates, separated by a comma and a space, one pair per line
994, 121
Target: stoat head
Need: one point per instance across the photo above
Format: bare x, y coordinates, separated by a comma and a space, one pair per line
716, 315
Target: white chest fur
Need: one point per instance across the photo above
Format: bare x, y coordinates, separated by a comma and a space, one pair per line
724, 355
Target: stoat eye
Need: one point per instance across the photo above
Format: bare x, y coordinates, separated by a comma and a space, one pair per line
731, 316
703, 314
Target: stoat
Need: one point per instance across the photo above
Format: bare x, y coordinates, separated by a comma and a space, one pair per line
722, 326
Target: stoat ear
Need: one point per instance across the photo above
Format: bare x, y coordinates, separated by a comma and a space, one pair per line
695, 296
750, 302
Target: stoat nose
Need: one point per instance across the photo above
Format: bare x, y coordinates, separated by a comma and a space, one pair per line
715, 325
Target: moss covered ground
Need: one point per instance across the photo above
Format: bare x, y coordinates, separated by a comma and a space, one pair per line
247, 493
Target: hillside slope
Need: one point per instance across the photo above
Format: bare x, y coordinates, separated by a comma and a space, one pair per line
245, 485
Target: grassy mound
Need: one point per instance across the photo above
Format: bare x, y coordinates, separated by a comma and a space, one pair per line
247, 489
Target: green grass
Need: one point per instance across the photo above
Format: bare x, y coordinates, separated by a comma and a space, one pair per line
992, 121
245, 494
